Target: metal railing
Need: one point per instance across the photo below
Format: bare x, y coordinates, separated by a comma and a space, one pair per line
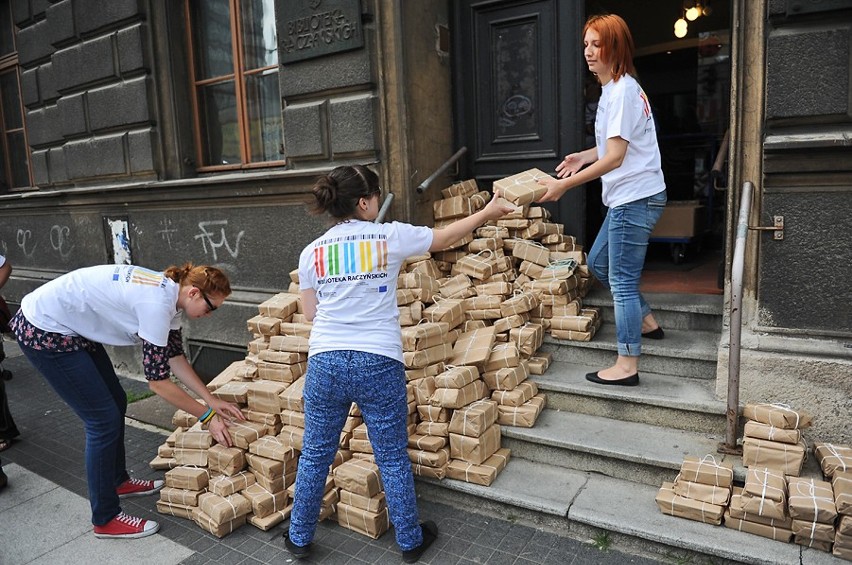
384, 209
441, 170
423, 186
737, 268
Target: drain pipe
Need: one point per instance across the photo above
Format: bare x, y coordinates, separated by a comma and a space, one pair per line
737, 267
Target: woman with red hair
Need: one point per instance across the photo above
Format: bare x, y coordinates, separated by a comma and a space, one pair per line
626, 158
62, 328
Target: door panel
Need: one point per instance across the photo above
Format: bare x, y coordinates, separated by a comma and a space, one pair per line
514, 77
517, 78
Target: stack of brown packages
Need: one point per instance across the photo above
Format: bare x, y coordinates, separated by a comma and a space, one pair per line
475, 444
179, 496
763, 500
246, 482
812, 508
836, 463
773, 439
737, 517
458, 388
520, 252
361, 503
472, 293
505, 374
165, 458
700, 492
460, 200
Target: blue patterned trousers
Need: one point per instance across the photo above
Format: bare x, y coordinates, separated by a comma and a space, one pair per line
376, 383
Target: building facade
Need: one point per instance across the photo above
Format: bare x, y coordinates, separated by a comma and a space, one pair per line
163, 132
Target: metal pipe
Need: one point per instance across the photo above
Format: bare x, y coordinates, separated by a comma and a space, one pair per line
384, 209
441, 170
737, 267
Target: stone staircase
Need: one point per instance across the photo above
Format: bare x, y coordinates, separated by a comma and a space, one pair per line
597, 455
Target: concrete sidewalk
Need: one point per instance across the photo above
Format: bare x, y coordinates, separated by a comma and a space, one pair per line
45, 518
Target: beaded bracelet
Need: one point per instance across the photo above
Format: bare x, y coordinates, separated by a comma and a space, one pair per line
207, 416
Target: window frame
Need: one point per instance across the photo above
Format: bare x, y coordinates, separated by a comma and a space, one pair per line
239, 75
8, 62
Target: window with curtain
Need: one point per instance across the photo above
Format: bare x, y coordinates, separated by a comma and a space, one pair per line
234, 71
15, 163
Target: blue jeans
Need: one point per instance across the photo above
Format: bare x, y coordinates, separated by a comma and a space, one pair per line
617, 258
335, 380
88, 384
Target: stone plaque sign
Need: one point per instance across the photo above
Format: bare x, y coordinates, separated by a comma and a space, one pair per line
313, 28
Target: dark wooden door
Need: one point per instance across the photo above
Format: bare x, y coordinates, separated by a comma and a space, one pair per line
517, 84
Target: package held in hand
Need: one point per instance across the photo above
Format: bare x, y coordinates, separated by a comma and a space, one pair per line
522, 188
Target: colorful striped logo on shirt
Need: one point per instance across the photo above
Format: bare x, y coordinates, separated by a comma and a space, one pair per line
348, 257
146, 277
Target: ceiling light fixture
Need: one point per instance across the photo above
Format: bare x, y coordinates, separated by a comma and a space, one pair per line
691, 10
680, 28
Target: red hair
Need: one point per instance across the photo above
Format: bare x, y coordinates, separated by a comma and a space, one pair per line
616, 43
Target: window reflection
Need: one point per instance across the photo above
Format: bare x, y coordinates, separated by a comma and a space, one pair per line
264, 111
237, 94
7, 40
219, 125
214, 53
260, 47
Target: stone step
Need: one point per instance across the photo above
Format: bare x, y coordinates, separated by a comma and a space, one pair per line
585, 505
673, 311
661, 400
626, 450
683, 353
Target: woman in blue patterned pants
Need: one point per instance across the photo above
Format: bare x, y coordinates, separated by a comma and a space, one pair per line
347, 283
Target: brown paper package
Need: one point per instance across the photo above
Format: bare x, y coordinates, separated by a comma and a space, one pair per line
764, 530
673, 504
811, 500
225, 460
360, 477
778, 415
842, 485
474, 419
175, 509
371, 504
371, 524
475, 450
785, 457
223, 509
483, 474
189, 478
707, 471
224, 485
264, 502
218, 530
833, 458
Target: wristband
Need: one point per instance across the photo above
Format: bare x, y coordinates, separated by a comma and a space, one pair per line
207, 416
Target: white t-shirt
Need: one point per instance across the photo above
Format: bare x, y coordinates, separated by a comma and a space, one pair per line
109, 304
353, 268
624, 111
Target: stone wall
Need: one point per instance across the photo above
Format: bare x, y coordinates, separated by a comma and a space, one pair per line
86, 88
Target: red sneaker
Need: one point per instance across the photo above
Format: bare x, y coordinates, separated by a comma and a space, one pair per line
138, 487
125, 526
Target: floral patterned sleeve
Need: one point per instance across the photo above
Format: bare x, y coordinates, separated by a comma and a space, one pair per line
155, 359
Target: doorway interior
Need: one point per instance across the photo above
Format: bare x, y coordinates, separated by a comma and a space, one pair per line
688, 81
